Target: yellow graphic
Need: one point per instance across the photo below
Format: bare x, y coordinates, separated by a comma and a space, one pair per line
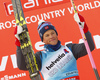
17, 21
30, 63
84, 36
22, 19
75, 11
35, 62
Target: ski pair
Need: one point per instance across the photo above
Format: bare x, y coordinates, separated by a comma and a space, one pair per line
25, 42
86, 45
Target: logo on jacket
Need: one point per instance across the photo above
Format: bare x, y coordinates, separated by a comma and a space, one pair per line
66, 51
53, 63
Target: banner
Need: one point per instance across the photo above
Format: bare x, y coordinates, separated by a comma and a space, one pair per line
33, 4
60, 14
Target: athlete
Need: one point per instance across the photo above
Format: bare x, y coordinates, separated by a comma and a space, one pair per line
56, 61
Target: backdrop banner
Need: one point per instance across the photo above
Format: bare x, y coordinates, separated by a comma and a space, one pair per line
60, 14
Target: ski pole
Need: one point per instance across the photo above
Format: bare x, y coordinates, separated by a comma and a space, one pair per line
86, 45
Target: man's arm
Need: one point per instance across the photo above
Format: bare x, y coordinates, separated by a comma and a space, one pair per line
79, 50
20, 59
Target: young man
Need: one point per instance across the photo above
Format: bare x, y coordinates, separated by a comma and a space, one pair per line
56, 62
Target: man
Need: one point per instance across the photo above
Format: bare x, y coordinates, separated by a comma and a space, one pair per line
56, 62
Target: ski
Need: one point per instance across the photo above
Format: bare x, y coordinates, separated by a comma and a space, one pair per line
25, 42
86, 45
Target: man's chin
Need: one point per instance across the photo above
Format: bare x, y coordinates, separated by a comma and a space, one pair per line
53, 43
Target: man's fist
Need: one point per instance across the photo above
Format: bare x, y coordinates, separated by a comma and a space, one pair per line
80, 20
18, 30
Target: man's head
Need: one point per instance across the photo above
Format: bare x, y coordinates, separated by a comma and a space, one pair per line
47, 32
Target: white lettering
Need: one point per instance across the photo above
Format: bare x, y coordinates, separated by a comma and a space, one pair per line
38, 45
31, 3
52, 14
97, 4
70, 10
49, 1
27, 20
80, 8
7, 77
34, 18
11, 77
40, 17
13, 22
19, 75
2, 26
2, 78
85, 6
8, 24
15, 76
9, 9
23, 74
97, 41
3, 63
57, 13
91, 5
62, 11
13, 59
37, 2
57, 0
46, 16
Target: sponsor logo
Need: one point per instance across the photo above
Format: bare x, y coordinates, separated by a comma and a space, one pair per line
55, 61
70, 73
46, 27
66, 51
32, 4
15, 76
4, 62
64, 60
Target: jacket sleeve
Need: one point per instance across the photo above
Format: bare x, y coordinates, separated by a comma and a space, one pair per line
20, 59
79, 50
38, 56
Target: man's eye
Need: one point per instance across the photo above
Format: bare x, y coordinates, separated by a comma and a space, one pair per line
52, 33
47, 35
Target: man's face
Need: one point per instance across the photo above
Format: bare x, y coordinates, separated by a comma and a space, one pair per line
50, 37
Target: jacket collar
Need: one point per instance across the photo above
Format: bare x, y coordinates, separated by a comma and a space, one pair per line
52, 48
